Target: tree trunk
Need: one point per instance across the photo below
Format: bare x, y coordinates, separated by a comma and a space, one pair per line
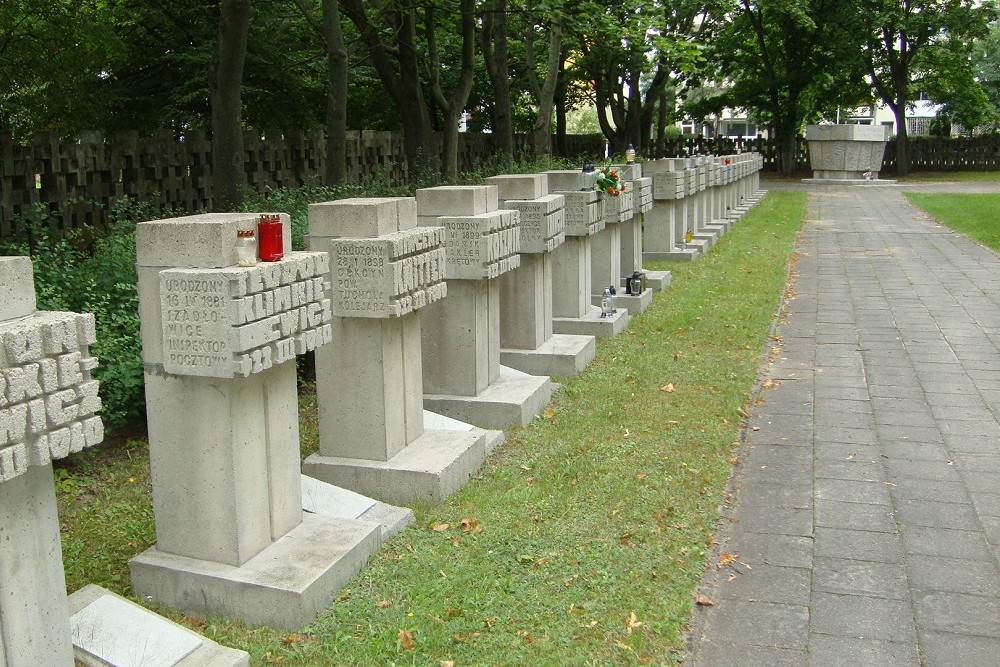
226, 82
661, 123
541, 131
453, 106
336, 95
496, 59
902, 140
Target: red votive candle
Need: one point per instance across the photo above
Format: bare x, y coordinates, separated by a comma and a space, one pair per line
269, 242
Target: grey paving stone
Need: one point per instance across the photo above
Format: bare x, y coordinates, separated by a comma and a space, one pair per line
771, 549
853, 469
977, 462
860, 577
765, 583
903, 433
991, 526
777, 495
936, 515
862, 617
715, 654
906, 488
986, 504
958, 612
846, 434
945, 649
762, 454
775, 473
981, 482
850, 491
857, 516
832, 651
845, 451
913, 450
945, 542
933, 573
758, 624
937, 470
780, 520
904, 418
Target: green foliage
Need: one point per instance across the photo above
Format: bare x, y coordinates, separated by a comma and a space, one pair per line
84, 273
975, 215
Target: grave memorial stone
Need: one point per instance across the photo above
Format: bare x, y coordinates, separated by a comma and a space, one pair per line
218, 343
526, 295
48, 409
369, 380
572, 309
463, 375
847, 154
636, 300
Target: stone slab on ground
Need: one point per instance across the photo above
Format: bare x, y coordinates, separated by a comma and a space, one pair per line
514, 400
657, 280
680, 255
428, 470
592, 324
284, 586
562, 355
324, 499
111, 631
432, 420
633, 303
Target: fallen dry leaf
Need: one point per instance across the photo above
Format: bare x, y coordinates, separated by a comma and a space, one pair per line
440, 528
632, 623
383, 604
726, 559
549, 413
703, 600
289, 640
470, 525
447, 663
406, 640
770, 384
669, 387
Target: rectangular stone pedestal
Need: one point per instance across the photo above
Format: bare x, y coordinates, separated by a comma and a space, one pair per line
592, 324
688, 254
110, 631
657, 280
428, 470
560, 356
284, 586
634, 304
512, 401
493, 438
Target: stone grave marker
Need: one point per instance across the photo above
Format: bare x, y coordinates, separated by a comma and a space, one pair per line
219, 343
463, 375
369, 381
48, 410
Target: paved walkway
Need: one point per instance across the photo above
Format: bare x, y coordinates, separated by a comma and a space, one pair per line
867, 503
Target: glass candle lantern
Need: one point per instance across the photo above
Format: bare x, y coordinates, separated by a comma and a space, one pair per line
246, 247
270, 243
635, 284
608, 303
589, 177
630, 154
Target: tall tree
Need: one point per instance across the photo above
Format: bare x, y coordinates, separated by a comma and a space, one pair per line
902, 34
454, 105
787, 60
542, 82
225, 86
496, 58
395, 55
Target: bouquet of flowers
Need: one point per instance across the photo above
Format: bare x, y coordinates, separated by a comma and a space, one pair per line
609, 182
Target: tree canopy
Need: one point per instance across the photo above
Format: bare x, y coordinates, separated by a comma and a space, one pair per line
502, 66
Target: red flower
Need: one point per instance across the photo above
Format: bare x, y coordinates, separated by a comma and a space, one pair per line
611, 191
614, 174
624, 186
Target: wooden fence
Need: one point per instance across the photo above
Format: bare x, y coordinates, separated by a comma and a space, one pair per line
74, 184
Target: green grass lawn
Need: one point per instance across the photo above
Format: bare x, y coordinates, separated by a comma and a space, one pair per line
581, 539
976, 215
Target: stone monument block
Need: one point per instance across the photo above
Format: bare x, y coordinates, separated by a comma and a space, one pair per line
618, 209
569, 180
584, 212
387, 276
362, 217
520, 186
456, 200
669, 185
543, 222
218, 343
48, 406
369, 384
844, 152
480, 246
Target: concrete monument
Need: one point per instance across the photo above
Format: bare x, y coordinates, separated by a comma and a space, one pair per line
846, 153
369, 381
219, 342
